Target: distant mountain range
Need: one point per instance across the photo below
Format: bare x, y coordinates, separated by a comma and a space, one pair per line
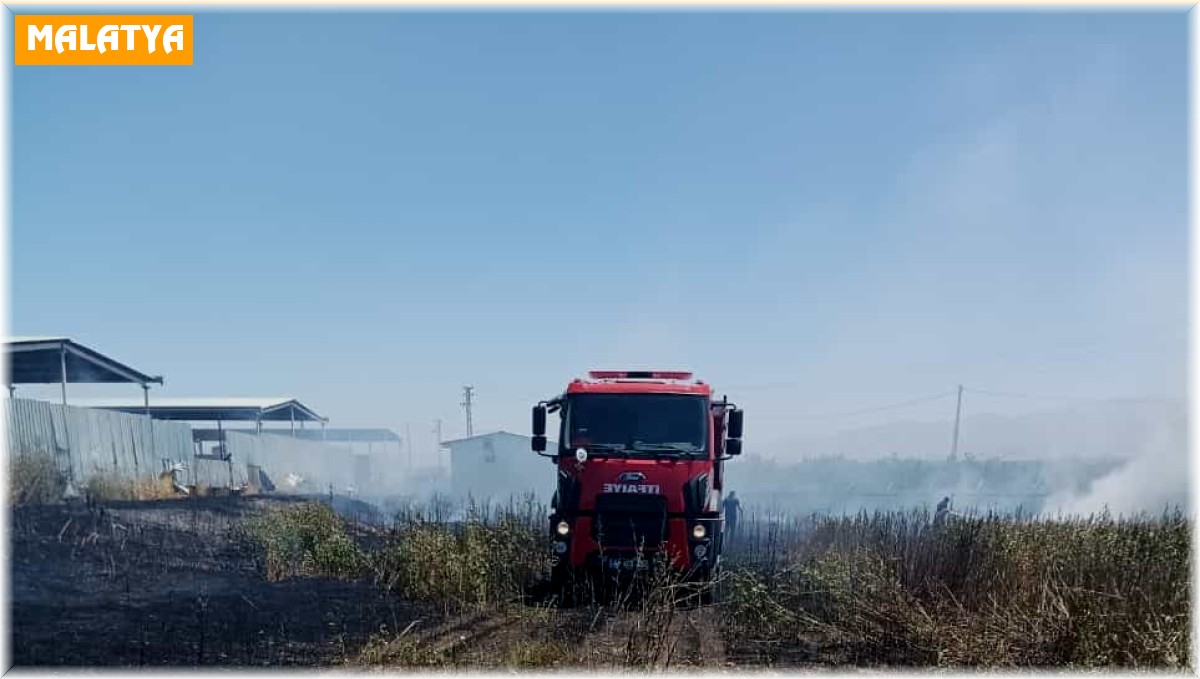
1104, 429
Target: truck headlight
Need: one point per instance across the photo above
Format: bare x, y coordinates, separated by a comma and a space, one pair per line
699, 532
563, 528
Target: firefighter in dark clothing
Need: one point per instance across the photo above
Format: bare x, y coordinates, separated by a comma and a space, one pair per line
943, 508
732, 507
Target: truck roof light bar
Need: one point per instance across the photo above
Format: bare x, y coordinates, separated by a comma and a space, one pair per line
639, 375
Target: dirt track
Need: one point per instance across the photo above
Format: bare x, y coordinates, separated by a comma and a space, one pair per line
170, 583
589, 637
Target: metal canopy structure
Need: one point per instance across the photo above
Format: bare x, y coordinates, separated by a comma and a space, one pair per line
227, 409
61, 360
342, 435
338, 435
218, 409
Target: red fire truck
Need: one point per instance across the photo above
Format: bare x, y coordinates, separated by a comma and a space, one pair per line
639, 461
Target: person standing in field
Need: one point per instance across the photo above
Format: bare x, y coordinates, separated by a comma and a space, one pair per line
732, 507
943, 508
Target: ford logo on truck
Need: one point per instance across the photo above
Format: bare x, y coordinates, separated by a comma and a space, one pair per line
631, 482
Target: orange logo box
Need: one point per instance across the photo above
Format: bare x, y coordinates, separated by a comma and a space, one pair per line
102, 39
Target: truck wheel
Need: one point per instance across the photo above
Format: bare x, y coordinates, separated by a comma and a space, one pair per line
560, 582
713, 587
569, 585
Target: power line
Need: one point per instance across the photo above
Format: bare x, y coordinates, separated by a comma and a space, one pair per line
864, 411
765, 387
1036, 397
959, 391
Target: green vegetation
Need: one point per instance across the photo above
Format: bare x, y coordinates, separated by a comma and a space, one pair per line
484, 562
306, 539
488, 559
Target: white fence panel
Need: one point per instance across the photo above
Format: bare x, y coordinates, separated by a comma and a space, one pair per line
86, 441
215, 473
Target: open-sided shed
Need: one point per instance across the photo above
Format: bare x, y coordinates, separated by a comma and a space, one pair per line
218, 410
61, 360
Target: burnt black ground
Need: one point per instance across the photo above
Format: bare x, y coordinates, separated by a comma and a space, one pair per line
169, 583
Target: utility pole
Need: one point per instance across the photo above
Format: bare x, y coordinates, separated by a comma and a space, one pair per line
468, 392
957, 415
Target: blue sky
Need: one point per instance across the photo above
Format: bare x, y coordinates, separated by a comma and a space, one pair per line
368, 211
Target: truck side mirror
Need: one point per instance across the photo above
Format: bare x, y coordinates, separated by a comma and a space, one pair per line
733, 447
539, 428
734, 427
539, 420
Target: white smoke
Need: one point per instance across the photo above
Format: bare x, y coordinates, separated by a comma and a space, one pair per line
1155, 478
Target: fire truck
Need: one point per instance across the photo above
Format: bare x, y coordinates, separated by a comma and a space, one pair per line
639, 461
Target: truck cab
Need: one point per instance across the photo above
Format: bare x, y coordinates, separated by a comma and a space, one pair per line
639, 464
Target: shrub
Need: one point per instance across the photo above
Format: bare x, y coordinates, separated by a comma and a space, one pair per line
305, 539
158, 488
487, 559
34, 479
108, 486
111, 486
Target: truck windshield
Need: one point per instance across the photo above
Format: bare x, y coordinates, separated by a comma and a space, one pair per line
654, 425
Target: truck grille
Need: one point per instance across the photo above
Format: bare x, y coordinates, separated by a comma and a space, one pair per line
627, 520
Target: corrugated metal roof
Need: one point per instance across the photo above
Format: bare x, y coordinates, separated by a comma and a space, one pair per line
34, 338
39, 360
267, 409
262, 403
327, 435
